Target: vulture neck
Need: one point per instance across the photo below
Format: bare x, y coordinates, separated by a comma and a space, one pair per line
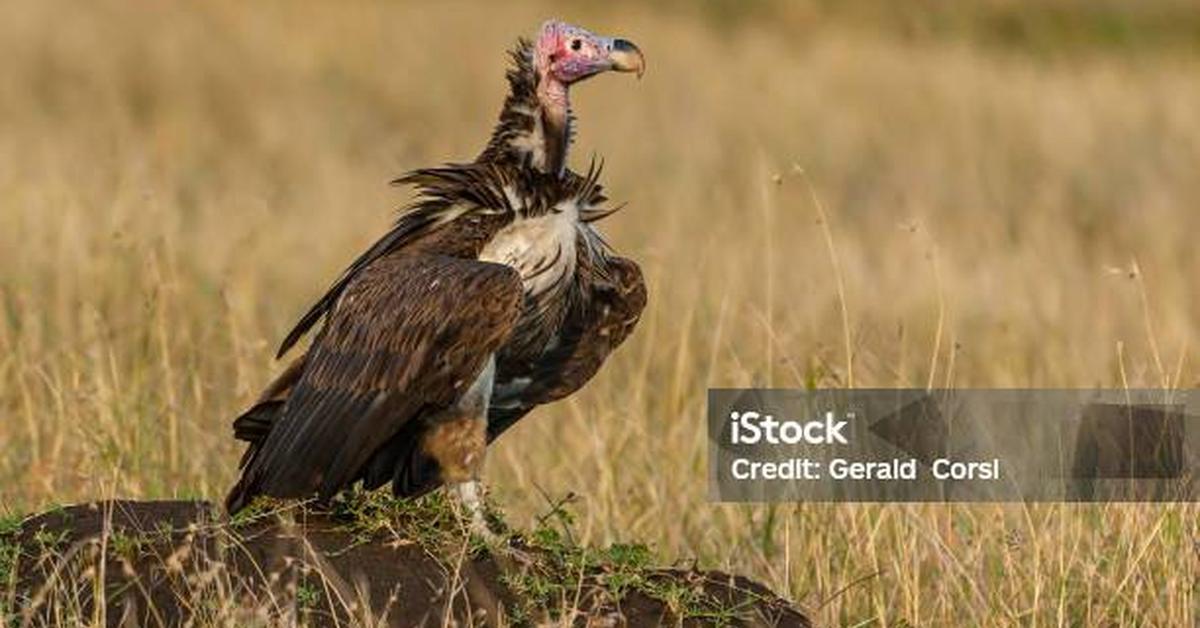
535, 123
555, 110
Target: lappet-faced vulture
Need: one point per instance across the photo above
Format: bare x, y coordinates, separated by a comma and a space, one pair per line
491, 295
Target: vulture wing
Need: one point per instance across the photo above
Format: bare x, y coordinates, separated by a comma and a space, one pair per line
608, 298
409, 226
408, 334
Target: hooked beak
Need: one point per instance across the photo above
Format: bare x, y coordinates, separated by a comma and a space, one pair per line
626, 57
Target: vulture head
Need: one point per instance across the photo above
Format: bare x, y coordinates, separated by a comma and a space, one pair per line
566, 54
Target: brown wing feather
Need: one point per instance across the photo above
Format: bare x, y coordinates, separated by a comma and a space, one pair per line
409, 226
408, 332
609, 298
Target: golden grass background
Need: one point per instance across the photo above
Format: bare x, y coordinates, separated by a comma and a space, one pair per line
179, 180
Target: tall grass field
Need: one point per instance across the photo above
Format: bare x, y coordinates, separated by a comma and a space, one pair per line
981, 194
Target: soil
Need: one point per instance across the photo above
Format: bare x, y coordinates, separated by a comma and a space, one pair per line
175, 562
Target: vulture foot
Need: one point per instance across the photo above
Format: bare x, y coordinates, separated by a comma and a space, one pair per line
471, 509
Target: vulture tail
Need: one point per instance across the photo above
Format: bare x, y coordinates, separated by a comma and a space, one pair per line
253, 427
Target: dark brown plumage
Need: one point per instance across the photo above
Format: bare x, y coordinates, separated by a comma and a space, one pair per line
492, 294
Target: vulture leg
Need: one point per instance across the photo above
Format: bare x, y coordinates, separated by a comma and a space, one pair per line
456, 440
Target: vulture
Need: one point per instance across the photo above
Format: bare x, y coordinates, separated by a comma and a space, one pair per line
493, 293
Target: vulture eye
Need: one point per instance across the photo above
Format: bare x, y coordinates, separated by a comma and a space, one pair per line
576, 44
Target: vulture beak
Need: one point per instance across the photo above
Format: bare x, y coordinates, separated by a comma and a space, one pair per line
626, 57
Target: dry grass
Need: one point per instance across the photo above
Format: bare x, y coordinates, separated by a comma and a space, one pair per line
177, 182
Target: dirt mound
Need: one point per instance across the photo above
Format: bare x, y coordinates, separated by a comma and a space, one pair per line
367, 561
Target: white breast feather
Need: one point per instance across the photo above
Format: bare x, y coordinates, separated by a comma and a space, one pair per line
530, 245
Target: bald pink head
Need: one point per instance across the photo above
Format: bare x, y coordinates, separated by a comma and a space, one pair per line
567, 54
